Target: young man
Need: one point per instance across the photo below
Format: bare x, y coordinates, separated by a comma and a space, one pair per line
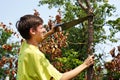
32, 64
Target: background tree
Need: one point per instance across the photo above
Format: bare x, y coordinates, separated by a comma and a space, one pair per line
8, 50
113, 67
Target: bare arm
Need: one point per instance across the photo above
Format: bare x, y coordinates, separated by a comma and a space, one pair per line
48, 33
71, 74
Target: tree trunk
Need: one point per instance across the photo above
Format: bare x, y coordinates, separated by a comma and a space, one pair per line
89, 11
90, 46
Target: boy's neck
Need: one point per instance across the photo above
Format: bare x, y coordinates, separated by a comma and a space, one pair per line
32, 42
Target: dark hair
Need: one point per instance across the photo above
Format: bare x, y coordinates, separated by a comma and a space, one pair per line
26, 22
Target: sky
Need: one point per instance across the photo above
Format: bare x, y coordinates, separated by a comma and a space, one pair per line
12, 10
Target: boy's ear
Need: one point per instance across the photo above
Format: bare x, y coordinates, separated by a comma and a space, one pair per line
32, 31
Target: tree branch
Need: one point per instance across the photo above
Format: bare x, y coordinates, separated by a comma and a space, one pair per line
88, 4
81, 5
75, 43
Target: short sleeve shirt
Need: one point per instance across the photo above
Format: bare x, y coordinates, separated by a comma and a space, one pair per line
33, 65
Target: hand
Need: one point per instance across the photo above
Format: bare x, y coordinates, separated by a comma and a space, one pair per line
55, 29
89, 61
50, 32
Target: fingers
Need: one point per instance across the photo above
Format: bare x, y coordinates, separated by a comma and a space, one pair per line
90, 60
92, 55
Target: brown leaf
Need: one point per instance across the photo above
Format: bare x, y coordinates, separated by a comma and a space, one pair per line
112, 52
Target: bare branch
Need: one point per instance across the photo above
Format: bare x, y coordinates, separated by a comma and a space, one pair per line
88, 4
81, 5
75, 43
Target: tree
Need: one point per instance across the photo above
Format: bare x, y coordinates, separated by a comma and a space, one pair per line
74, 9
8, 52
113, 67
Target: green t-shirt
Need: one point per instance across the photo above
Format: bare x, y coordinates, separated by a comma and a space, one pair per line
33, 65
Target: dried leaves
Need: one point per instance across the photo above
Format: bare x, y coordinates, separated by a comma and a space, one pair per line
114, 65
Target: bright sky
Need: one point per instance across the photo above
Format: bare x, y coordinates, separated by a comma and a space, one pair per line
12, 10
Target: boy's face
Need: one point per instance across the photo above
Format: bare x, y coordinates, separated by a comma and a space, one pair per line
39, 33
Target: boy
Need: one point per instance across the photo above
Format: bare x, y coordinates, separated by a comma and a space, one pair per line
32, 64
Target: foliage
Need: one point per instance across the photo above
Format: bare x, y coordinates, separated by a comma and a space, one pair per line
77, 40
8, 50
70, 59
113, 67
109, 70
115, 27
72, 10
